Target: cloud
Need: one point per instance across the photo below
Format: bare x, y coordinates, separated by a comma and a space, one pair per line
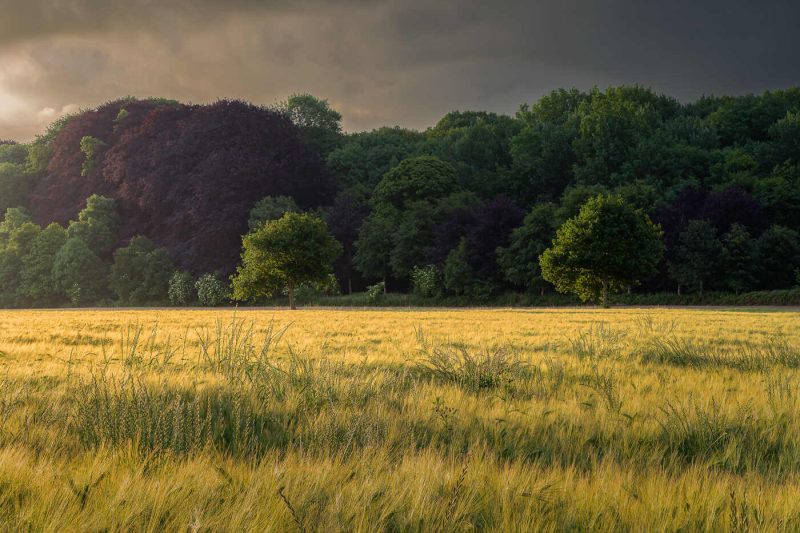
382, 62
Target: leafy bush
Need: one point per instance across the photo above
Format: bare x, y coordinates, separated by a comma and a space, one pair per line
426, 280
326, 287
376, 292
211, 291
181, 288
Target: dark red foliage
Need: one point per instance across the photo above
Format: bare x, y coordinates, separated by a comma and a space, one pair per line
674, 218
344, 218
485, 227
184, 175
494, 222
722, 209
734, 206
446, 236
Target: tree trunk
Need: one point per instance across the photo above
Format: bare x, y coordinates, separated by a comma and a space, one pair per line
291, 296
385, 287
541, 291
605, 293
349, 283
679, 290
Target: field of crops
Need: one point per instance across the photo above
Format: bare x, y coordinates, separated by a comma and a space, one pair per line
364, 420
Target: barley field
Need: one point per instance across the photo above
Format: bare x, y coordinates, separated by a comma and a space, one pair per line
400, 420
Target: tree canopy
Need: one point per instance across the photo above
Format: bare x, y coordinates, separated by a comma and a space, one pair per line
283, 254
194, 178
608, 246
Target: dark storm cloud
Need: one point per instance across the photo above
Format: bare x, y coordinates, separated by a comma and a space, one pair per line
382, 62
24, 20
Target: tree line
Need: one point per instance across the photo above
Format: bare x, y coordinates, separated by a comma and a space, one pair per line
466, 208
478, 198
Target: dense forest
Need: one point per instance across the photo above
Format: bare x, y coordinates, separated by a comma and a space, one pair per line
140, 201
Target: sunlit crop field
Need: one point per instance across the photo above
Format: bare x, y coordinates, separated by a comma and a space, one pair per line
372, 420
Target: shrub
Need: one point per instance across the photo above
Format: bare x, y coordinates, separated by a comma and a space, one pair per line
326, 287
376, 292
181, 288
425, 280
211, 291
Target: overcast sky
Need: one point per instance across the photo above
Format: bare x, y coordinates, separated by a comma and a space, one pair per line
382, 62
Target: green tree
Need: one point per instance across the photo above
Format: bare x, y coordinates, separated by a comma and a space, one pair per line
271, 208
779, 252
785, 135
733, 166
140, 273
79, 273
575, 197
11, 152
557, 107
15, 182
14, 218
779, 193
211, 291
40, 151
698, 255
366, 157
458, 274
520, 260
181, 288
612, 122
476, 143
407, 203
543, 159
542, 151
374, 247
285, 253
740, 260
410, 236
320, 124
90, 146
423, 178
608, 246
9, 277
36, 276
97, 225
17, 235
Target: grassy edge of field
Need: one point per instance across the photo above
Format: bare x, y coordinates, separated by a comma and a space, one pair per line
772, 299
788, 297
